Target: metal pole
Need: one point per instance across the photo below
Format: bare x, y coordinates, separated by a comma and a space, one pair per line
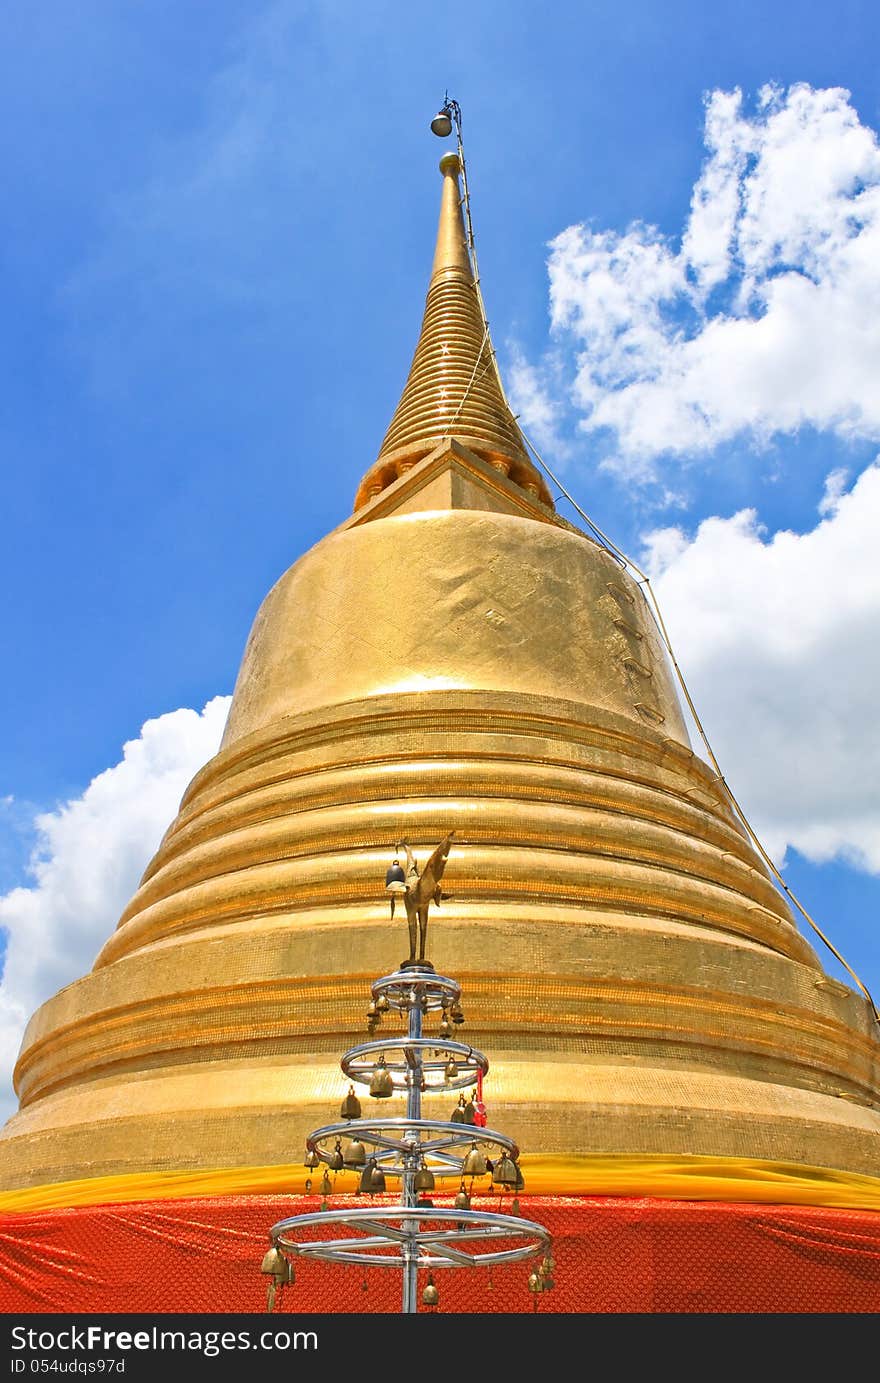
410, 1304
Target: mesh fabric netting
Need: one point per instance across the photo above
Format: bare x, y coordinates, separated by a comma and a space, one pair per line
612, 1254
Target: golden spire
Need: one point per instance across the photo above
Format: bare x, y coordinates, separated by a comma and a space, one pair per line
452, 389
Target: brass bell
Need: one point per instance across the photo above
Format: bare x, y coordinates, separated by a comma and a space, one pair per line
351, 1105
458, 1115
312, 1159
372, 1010
382, 1004
355, 1154
377, 1182
326, 1185
430, 1296
441, 126
395, 879
457, 1015
451, 1070
280, 1273
462, 1200
273, 1263
445, 1028
469, 1110
308, 1185
367, 1177
474, 1163
424, 1179
536, 1283
504, 1171
381, 1081
549, 1264
336, 1161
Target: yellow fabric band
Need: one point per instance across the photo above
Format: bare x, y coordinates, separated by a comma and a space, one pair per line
669, 1178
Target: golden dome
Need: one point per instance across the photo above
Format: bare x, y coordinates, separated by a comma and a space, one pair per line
453, 657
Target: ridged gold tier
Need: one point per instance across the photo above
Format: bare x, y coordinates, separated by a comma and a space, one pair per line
634, 975
455, 657
452, 388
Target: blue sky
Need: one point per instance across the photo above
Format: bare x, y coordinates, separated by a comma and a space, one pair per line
217, 229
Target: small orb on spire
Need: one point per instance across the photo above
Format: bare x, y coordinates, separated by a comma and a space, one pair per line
449, 164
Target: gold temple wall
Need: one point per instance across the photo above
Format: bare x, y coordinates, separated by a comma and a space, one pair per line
635, 976
455, 657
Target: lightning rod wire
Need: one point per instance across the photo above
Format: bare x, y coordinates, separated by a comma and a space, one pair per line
644, 584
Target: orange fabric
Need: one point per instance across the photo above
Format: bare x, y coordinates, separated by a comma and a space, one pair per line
613, 1254
683, 1177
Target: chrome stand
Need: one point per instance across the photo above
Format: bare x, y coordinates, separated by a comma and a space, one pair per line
414, 1235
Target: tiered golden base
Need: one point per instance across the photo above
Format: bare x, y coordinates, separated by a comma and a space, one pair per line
623, 955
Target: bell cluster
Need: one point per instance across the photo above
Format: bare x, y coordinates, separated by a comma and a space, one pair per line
501, 1174
452, 1014
411, 1156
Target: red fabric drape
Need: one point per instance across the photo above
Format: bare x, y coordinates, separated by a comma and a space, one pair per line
613, 1254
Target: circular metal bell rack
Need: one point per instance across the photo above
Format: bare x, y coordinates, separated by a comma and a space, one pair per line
359, 1063
400, 1143
414, 1235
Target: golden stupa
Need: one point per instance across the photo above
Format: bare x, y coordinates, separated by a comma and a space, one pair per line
455, 656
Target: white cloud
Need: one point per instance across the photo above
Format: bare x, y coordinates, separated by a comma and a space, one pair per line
90, 855
777, 637
765, 319
834, 489
534, 396
715, 203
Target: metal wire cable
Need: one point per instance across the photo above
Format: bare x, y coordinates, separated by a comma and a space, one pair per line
644, 584
470, 384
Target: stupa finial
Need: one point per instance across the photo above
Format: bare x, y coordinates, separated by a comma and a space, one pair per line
451, 252
453, 388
